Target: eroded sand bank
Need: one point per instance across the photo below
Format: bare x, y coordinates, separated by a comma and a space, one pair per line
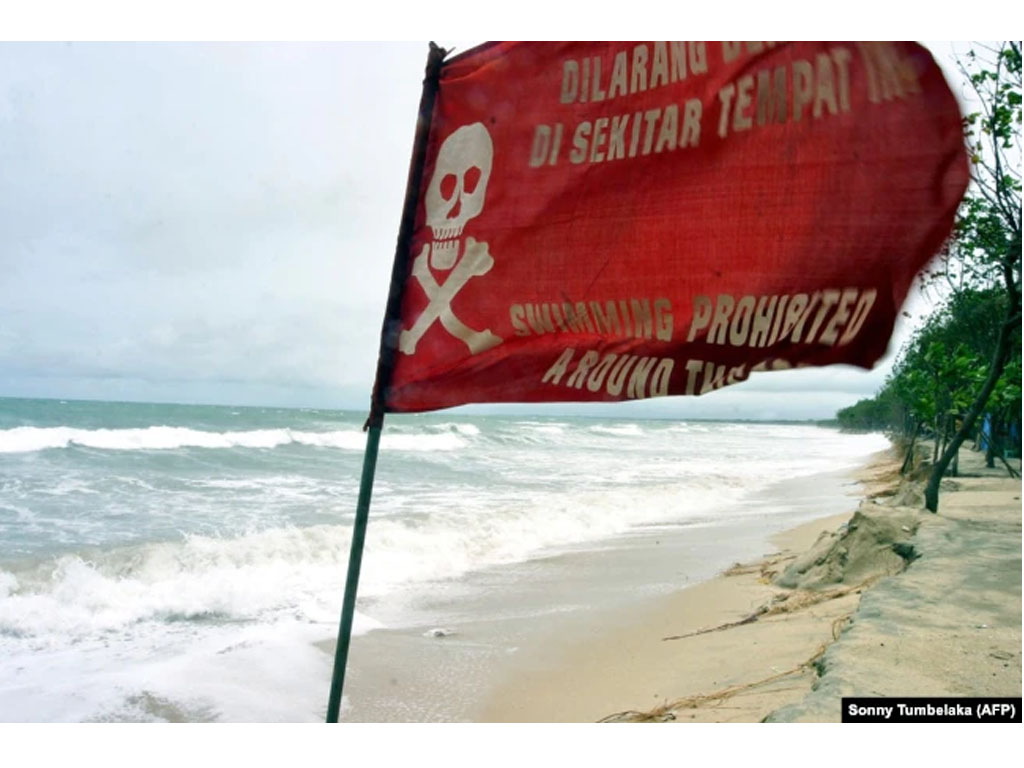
895, 601
891, 601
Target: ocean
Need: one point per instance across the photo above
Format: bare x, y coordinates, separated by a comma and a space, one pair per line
180, 562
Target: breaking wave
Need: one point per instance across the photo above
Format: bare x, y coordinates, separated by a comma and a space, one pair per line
158, 438
293, 572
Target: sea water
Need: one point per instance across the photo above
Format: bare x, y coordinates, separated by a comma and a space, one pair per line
167, 562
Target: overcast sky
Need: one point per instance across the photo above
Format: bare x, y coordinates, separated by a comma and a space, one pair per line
216, 223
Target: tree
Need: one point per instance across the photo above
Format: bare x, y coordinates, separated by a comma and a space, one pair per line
871, 414
985, 250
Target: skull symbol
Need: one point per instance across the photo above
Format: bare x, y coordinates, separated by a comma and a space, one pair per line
456, 190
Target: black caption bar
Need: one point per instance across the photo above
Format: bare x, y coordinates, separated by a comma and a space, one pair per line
906, 709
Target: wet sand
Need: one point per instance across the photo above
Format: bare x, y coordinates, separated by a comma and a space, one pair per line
949, 624
577, 635
641, 630
634, 668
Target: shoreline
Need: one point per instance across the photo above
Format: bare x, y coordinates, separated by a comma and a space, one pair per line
950, 624
735, 644
510, 632
631, 671
739, 674
741, 648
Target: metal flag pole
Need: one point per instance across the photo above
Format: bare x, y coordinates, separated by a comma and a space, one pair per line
385, 364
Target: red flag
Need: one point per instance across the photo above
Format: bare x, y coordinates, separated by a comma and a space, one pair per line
611, 221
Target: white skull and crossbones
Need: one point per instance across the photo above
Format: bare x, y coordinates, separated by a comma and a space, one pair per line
454, 196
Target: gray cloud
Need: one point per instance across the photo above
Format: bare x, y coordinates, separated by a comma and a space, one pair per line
217, 223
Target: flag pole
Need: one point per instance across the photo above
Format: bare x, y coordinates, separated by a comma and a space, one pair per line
385, 364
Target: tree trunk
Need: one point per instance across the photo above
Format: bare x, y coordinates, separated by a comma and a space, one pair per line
1002, 420
990, 449
999, 358
946, 429
954, 467
908, 460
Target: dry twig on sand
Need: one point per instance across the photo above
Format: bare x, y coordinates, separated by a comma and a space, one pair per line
784, 603
667, 711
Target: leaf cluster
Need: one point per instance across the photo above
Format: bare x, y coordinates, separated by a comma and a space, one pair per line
942, 368
985, 248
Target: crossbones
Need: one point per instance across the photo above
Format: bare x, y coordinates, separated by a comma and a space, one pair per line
455, 195
476, 261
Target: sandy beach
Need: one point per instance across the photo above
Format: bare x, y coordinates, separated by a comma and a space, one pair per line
889, 601
941, 619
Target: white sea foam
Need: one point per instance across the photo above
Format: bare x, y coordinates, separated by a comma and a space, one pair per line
470, 430
298, 572
245, 672
8, 583
266, 576
621, 430
212, 622
30, 439
546, 429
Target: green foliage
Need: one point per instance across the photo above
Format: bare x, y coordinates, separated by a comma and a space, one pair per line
941, 368
872, 414
986, 245
965, 360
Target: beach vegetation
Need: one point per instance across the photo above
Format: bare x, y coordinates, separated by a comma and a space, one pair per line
959, 376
